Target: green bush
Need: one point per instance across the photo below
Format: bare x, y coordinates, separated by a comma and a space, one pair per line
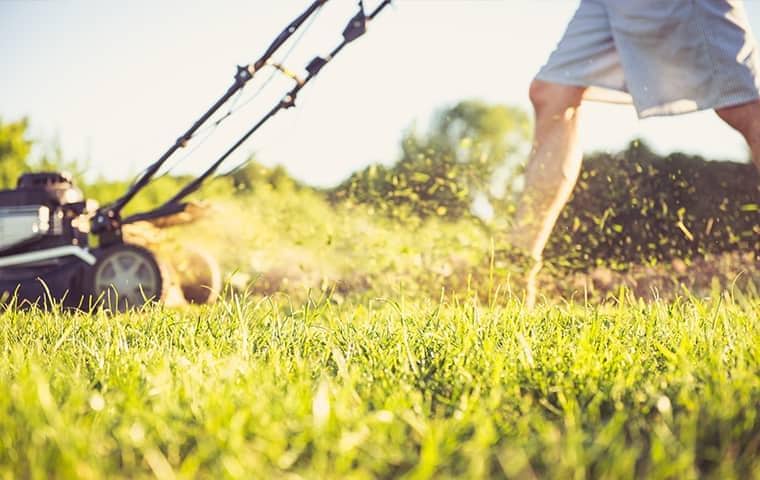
636, 206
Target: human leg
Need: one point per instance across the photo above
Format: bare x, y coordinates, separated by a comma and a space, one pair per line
550, 175
553, 166
585, 55
745, 118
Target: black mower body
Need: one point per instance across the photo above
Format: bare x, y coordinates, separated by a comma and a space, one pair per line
44, 213
62, 283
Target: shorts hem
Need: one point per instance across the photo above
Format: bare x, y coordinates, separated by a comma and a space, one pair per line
597, 91
577, 83
664, 111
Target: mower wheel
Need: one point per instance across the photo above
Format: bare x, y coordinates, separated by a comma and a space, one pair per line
199, 275
125, 276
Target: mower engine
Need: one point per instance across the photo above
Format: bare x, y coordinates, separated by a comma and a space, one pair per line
41, 208
45, 256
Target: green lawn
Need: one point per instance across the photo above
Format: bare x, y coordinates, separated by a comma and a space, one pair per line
365, 388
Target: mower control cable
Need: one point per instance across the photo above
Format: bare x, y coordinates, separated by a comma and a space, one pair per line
209, 129
356, 27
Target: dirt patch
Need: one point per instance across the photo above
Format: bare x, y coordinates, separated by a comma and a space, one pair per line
701, 276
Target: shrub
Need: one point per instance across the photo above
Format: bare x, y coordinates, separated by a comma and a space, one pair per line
636, 206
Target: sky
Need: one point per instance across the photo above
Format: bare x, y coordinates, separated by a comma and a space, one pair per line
115, 83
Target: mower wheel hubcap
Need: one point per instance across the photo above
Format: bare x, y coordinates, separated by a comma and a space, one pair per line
129, 276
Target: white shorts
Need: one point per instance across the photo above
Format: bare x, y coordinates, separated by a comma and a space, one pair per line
665, 56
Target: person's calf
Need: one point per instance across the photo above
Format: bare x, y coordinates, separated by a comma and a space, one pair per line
553, 165
549, 177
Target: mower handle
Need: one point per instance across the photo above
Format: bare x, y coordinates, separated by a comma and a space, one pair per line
107, 216
356, 27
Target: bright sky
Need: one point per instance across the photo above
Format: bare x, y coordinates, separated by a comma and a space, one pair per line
117, 82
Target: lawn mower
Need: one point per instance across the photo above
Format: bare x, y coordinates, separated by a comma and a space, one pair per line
56, 247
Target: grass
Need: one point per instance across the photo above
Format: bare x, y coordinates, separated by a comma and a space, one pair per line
366, 388
336, 354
